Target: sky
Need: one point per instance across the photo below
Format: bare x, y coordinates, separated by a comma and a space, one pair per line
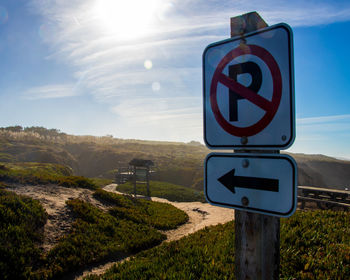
133, 69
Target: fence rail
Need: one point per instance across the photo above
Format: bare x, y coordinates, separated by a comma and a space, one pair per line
324, 198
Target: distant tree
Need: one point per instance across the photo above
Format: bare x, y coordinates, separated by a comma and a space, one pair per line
44, 131
16, 128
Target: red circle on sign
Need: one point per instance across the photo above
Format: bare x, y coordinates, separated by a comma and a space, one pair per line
270, 107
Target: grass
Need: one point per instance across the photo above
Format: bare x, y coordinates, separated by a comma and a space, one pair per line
164, 190
42, 173
95, 236
159, 215
101, 182
48, 169
21, 223
129, 227
314, 245
206, 254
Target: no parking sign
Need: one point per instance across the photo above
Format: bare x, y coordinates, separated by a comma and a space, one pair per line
248, 88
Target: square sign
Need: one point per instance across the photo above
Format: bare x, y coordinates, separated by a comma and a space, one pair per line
248, 91
257, 183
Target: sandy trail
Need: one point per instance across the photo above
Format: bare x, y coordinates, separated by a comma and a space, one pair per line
200, 215
53, 198
59, 221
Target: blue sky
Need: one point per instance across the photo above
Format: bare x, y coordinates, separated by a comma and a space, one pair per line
133, 68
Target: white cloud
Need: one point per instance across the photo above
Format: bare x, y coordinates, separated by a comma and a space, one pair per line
175, 118
50, 92
112, 70
155, 109
324, 119
181, 35
323, 135
324, 126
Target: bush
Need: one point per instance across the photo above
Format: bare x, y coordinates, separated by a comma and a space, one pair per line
206, 254
159, 215
43, 173
314, 245
77, 182
21, 223
95, 236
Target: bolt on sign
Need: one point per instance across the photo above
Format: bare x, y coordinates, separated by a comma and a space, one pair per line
248, 88
260, 183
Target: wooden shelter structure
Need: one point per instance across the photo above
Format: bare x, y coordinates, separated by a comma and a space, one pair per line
141, 170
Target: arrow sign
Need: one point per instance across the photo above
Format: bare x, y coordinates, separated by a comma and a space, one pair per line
266, 183
230, 181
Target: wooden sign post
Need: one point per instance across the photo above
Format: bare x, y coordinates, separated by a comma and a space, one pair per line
257, 236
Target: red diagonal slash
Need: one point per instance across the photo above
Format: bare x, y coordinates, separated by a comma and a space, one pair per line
270, 107
245, 92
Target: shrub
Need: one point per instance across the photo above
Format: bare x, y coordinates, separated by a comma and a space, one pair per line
77, 182
159, 215
43, 173
21, 221
314, 245
95, 236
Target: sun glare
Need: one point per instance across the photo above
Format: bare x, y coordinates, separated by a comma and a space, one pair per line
127, 19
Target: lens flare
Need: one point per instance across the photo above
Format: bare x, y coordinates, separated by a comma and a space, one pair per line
155, 86
148, 64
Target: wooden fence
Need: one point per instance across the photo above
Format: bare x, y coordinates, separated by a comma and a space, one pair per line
324, 198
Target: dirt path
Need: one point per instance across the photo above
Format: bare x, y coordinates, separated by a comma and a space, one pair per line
59, 221
53, 198
200, 215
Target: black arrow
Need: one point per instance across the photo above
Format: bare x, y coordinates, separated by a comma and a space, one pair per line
230, 181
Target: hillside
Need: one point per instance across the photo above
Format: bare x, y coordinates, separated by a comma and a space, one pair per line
62, 230
177, 163
58, 231
54, 225
314, 245
53, 230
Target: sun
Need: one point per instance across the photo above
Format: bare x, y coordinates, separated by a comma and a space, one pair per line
127, 19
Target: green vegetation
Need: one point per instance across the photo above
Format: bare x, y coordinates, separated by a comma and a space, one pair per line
206, 254
164, 190
21, 222
34, 168
42, 173
159, 215
35, 130
90, 156
129, 227
176, 163
314, 245
101, 182
95, 236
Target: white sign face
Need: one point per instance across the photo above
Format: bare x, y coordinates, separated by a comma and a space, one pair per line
248, 91
257, 183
